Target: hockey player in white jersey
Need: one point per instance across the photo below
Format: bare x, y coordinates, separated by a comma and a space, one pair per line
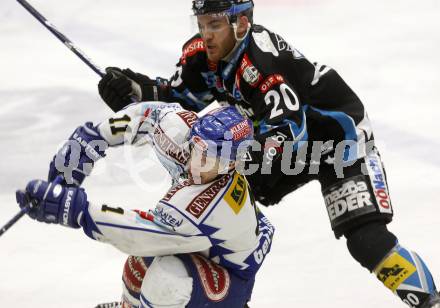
205, 239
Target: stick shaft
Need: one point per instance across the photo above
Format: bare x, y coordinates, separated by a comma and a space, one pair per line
61, 37
14, 219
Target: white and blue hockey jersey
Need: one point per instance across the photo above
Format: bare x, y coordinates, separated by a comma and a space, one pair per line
219, 220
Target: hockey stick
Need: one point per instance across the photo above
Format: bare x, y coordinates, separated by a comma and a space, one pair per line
30, 204
14, 219
61, 37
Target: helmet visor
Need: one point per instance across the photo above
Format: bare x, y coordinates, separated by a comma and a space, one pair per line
209, 23
230, 7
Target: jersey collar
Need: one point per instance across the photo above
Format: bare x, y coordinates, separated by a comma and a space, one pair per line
234, 56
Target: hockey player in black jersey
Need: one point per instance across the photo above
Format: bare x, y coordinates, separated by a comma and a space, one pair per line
305, 117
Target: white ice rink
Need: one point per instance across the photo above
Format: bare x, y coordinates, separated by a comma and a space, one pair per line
387, 51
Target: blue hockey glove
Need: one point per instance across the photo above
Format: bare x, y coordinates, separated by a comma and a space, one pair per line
54, 203
75, 160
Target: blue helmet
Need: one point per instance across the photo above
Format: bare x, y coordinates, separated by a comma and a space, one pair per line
228, 7
223, 132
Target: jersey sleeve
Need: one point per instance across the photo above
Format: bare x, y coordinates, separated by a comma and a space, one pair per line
135, 123
326, 88
283, 84
187, 86
139, 233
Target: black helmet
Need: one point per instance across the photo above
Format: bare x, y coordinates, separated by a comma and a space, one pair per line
227, 7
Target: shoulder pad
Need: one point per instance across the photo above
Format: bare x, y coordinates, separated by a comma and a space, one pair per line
263, 39
273, 43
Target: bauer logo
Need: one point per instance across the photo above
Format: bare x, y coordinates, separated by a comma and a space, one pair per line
351, 199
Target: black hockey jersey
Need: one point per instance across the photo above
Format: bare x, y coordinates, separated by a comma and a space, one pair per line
287, 97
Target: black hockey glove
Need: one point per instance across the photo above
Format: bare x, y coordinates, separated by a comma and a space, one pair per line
115, 89
119, 87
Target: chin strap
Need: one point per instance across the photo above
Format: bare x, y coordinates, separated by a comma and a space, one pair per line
235, 27
237, 39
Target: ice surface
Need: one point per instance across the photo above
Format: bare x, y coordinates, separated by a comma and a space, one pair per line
386, 50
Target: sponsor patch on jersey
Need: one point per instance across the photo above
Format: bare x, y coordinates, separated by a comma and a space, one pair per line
249, 72
213, 277
188, 117
166, 218
192, 48
395, 270
348, 199
241, 130
266, 237
174, 189
270, 82
145, 215
169, 147
237, 193
378, 182
201, 202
